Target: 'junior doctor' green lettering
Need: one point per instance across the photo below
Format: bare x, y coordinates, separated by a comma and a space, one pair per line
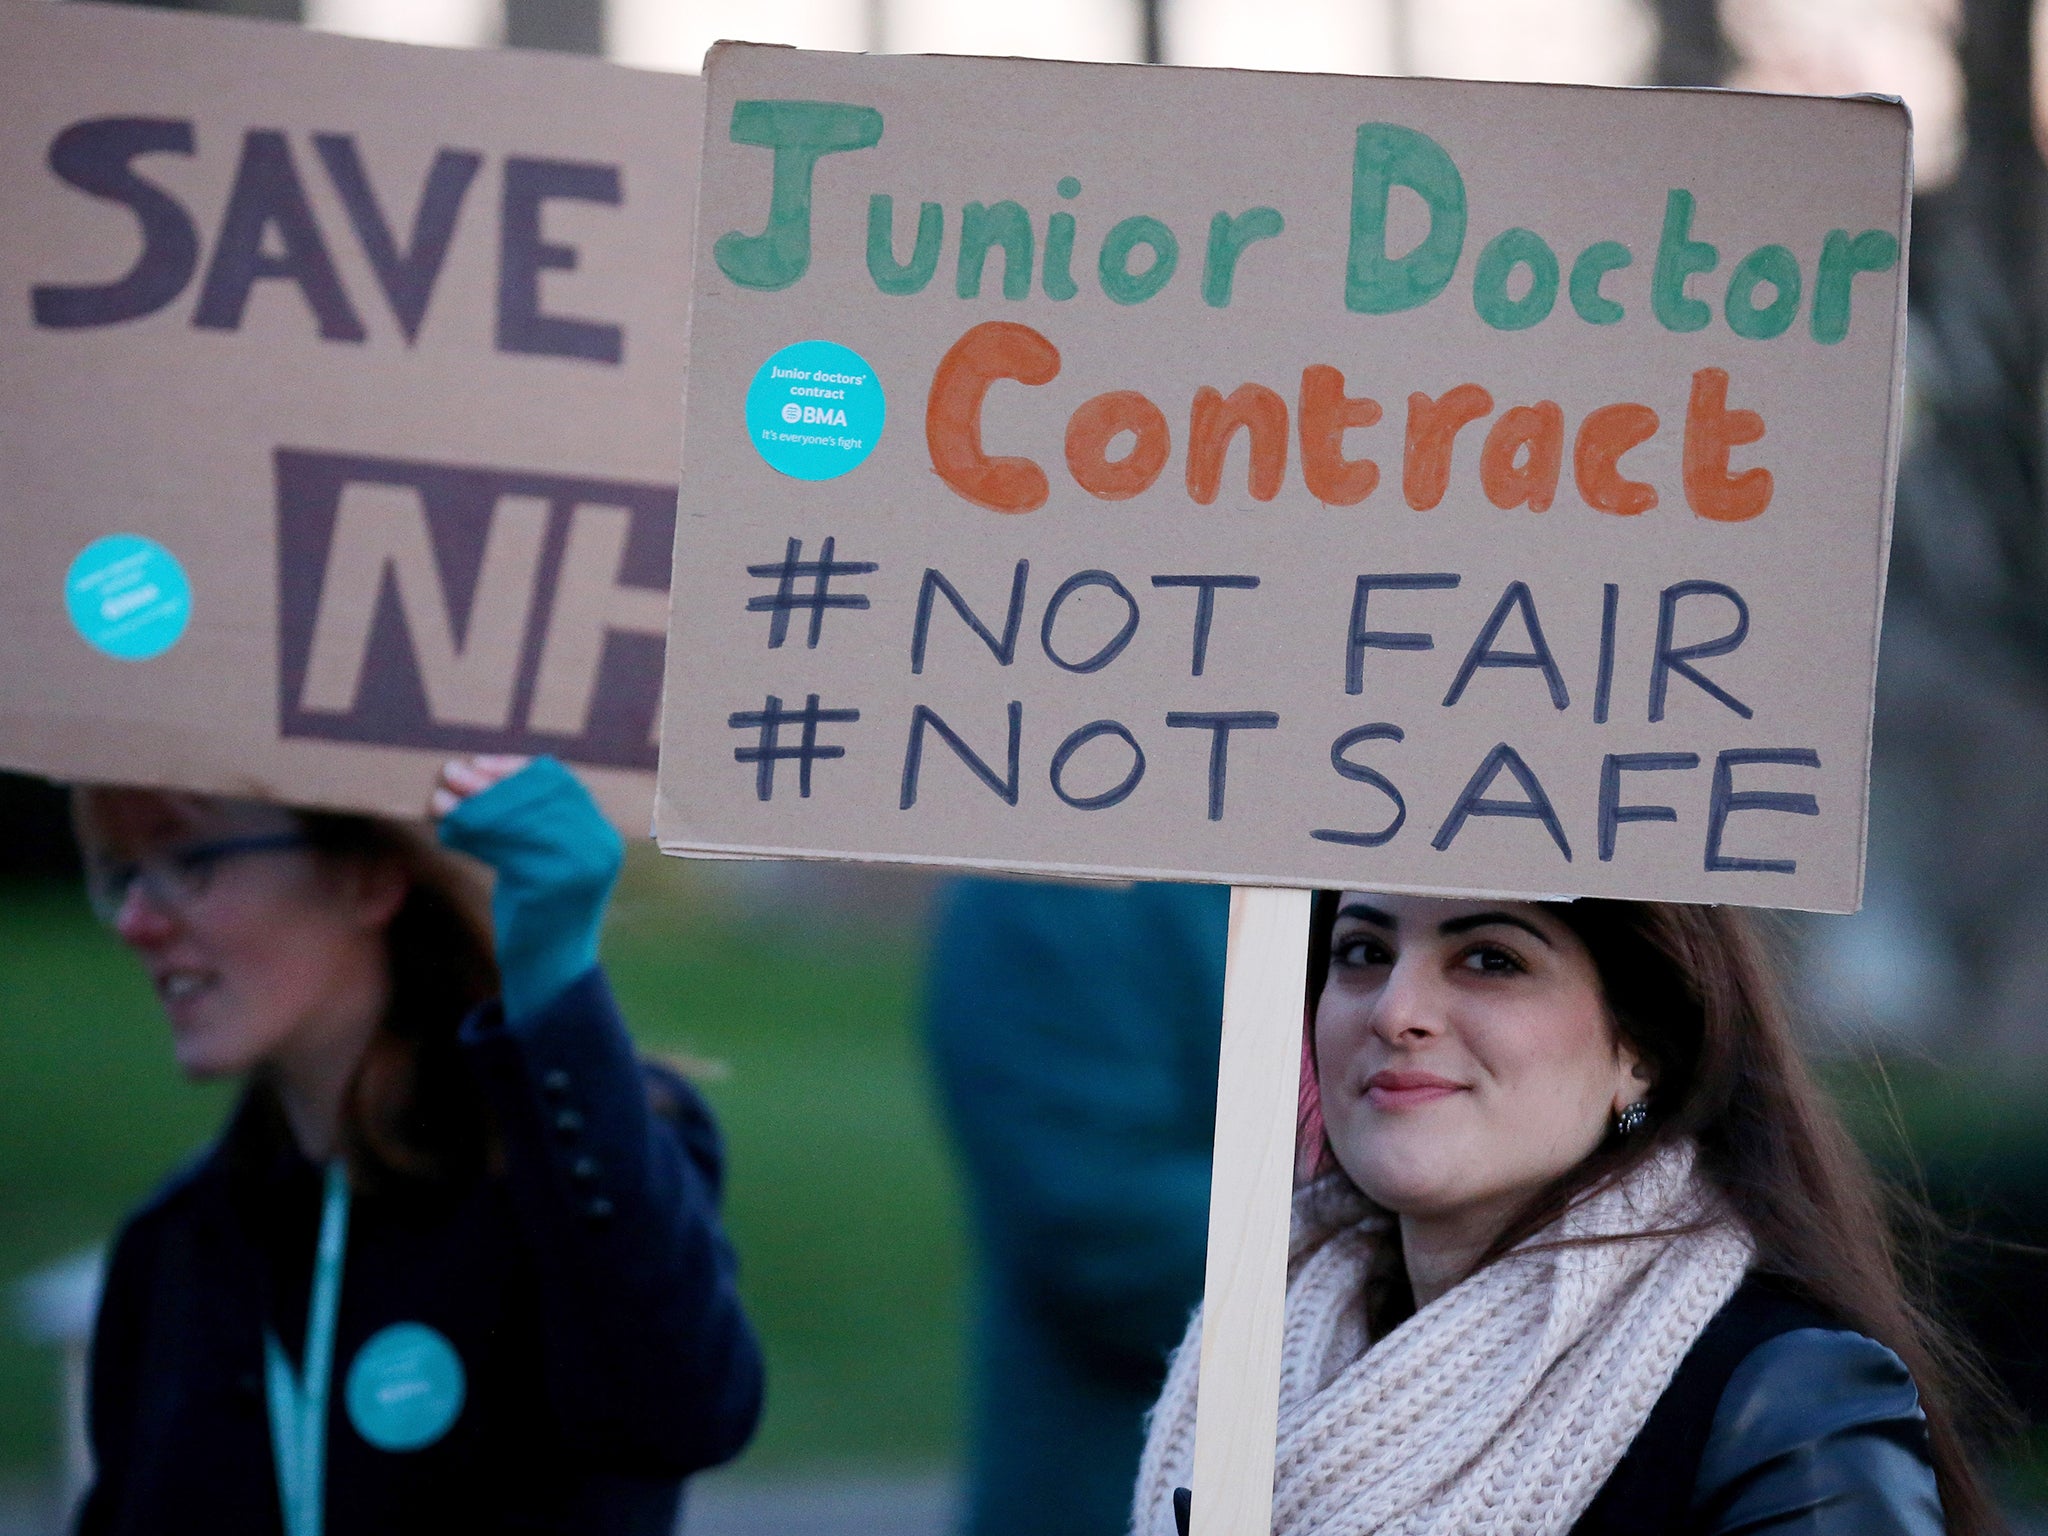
1388, 156
799, 132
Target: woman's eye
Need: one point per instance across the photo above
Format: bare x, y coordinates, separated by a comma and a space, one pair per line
1360, 950
191, 870
1493, 960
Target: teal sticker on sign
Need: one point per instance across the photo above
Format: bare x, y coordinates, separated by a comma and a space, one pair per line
128, 596
815, 411
405, 1388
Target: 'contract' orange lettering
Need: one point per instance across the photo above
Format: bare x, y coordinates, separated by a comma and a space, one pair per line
1092, 428
1432, 432
1711, 429
1604, 436
1214, 420
1536, 433
1326, 411
995, 349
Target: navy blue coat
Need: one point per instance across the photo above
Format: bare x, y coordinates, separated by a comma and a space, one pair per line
586, 1286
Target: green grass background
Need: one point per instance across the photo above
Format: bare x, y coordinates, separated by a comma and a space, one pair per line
840, 1194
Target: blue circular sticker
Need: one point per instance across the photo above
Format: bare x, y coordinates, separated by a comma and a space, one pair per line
128, 596
405, 1388
814, 410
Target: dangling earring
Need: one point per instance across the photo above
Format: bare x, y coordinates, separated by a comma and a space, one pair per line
1632, 1119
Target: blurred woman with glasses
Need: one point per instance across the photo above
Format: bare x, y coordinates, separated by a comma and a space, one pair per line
455, 1263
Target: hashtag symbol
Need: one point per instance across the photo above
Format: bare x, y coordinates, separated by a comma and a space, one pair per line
786, 599
770, 749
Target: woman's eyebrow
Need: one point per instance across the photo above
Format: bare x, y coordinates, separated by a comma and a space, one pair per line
1373, 915
1473, 920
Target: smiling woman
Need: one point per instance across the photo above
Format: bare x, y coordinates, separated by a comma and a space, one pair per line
1592, 1254
455, 1262
1467, 1060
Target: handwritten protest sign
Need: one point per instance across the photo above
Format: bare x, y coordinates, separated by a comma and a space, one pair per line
338, 384
1285, 480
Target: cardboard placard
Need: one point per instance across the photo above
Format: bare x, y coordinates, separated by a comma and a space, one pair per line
338, 384
1285, 480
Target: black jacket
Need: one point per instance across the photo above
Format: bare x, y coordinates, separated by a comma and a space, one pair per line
1778, 1420
587, 1289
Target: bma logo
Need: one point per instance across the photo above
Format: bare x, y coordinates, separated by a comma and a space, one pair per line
471, 610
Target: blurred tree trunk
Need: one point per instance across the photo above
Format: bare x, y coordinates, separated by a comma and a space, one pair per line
566, 26
1691, 49
1961, 793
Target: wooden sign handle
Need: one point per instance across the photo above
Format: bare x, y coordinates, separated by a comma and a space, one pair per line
1244, 1294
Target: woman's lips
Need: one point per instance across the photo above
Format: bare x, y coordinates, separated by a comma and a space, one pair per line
1404, 1090
180, 989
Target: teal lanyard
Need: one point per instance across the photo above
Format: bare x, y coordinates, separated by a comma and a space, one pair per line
298, 1406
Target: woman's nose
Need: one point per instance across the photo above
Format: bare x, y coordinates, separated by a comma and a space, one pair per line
1410, 1004
143, 922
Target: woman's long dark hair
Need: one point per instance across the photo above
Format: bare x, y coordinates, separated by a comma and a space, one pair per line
412, 1110
1695, 993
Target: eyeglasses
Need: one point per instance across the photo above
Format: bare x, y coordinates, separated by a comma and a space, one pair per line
176, 877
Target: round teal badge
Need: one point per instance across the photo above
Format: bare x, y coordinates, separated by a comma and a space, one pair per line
128, 596
815, 411
405, 1388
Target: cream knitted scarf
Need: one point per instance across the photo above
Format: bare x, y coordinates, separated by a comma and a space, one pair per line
1499, 1408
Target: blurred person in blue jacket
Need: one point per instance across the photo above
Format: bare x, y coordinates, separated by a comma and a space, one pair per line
455, 1263
1074, 1033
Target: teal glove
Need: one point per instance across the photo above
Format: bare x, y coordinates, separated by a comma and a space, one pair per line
556, 858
